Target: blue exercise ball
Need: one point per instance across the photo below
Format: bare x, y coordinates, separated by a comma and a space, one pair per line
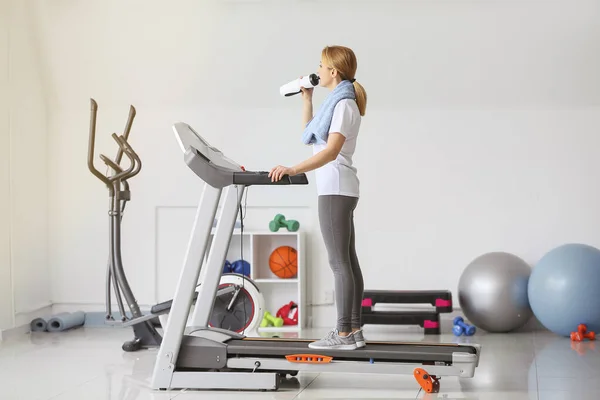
564, 289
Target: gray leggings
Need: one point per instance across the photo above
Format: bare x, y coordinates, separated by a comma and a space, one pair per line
336, 217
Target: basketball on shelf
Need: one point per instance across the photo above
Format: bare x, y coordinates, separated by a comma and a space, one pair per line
284, 262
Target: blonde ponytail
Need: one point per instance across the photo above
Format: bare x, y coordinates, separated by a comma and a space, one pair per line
361, 98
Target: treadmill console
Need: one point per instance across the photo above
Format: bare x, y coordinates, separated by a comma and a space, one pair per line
189, 138
214, 168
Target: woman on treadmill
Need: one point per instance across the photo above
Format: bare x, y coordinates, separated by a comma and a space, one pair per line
333, 133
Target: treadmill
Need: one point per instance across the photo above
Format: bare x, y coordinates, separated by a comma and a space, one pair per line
202, 357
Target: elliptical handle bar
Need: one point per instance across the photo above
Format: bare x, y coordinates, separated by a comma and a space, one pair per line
124, 144
125, 135
110, 163
92, 143
124, 147
123, 174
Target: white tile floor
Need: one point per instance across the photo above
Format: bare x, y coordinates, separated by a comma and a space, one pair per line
89, 364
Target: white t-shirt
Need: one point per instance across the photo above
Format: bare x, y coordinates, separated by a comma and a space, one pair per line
339, 177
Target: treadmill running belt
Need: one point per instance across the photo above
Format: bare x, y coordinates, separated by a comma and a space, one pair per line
378, 351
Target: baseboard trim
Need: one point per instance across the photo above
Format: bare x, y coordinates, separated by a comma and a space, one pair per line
14, 332
34, 309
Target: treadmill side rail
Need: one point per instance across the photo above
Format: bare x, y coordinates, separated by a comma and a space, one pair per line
464, 369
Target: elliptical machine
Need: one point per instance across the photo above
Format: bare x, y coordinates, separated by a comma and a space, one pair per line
239, 305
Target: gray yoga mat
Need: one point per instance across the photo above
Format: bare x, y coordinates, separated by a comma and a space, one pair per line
38, 325
63, 321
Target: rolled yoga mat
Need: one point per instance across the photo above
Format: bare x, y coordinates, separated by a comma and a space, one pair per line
38, 325
63, 321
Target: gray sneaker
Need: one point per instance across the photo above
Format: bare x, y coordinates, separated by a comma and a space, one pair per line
335, 341
359, 338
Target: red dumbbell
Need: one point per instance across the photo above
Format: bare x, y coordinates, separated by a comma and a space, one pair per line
582, 333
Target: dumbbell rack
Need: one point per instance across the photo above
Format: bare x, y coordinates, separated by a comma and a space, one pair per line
429, 320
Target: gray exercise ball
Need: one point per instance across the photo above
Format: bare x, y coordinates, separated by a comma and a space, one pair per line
492, 292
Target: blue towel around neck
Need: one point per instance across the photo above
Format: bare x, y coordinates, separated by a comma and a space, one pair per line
317, 129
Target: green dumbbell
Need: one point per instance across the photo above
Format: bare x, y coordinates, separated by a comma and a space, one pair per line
270, 320
280, 222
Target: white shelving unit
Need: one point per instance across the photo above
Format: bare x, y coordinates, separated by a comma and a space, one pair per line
256, 247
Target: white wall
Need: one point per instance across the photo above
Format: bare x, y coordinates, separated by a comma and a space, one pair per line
24, 274
481, 131
6, 307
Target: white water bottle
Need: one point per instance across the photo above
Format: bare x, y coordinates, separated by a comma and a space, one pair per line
293, 87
